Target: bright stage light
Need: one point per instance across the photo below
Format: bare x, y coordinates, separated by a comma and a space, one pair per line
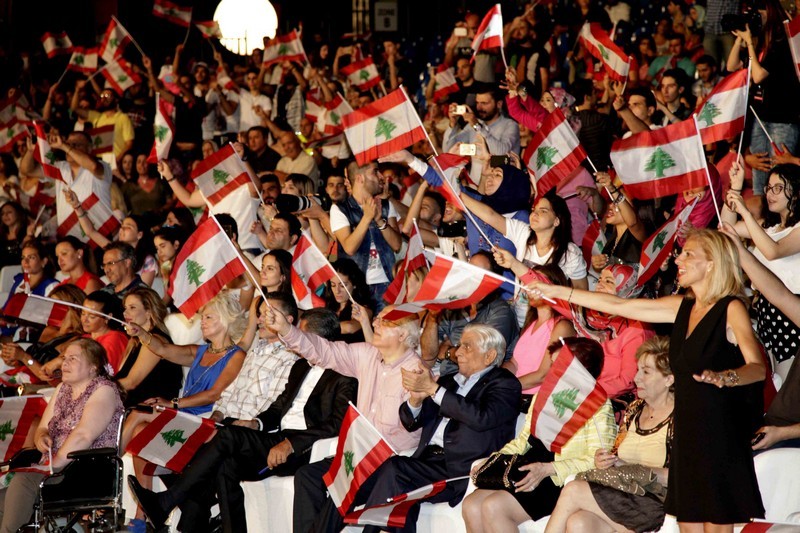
245, 23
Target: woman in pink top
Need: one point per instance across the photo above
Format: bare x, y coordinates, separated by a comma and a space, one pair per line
543, 326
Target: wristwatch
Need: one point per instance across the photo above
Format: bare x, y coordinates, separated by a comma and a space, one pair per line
29, 362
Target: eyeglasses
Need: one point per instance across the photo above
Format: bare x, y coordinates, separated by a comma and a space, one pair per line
775, 189
382, 322
112, 263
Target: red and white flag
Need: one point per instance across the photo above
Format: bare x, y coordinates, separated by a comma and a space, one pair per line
171, 439
287, 47
34, 310
793, 33
450, 284
10, 134
83, 60
383, 127
56, 44
395, 512
209, 29
120, 75
44, 154
414, 260
16, 417
203, 266
769, 527
452, 165
220, 174
444, 84
594, 240
658, 246
661, 162
490, 33
360, 451
224, 79
163, 131
615, 61
102, 139
568, 398
100, 214
721, 115
310, 270
554, 152
314, 107
362, 74
180, 15
330, 122
114, 42
13, 109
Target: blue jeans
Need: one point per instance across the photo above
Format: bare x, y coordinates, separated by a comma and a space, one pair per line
376, 291
781, 133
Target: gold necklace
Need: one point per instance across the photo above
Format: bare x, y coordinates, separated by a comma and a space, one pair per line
211, 348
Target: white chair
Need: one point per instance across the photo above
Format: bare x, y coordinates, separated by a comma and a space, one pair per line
7, 274
778, 473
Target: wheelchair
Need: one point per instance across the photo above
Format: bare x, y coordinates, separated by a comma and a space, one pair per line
85, 497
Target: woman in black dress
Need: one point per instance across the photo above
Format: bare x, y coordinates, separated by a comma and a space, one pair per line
718, 367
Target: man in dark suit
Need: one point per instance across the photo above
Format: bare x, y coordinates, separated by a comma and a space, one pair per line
463, 416
277, 443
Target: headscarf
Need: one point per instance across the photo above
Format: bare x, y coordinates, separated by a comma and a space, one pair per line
704, 211
513, 194
701, 16
565, 101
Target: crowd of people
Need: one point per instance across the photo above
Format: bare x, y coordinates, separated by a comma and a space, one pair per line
689, 360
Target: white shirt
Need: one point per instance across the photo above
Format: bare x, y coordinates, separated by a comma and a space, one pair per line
82, 184
302, 164
786, 268
375, 273
248, 117
295, 418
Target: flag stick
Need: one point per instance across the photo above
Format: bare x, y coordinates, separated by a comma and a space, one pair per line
130, 35
188, 30
597, 429
373, 427
777, 150
38, 216
98, 71
705, 166
250, 175
589, 160
81, 307
62, 75
746, 99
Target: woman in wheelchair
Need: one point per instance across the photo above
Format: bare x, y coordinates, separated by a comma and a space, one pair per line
84, 413
213, 366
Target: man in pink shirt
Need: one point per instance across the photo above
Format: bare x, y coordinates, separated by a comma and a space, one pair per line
376, 365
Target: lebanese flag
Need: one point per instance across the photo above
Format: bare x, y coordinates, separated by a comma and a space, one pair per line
771, 527
362, 74
114, 42
10, 134
101, 215
16, 417
360, 451
34, 310
163, 131
120, 75
220, 174
330, 122
14, 109
83, 60
793, 33
209, 29
448, 185
182, 16
172, 439
56, 44
383, 127
490, 33
444, 84
314, 107
721, 115
310, 270
568, 398
661, 162
414, 260
44, 154
554, 152
658, 246
395, 512
594, 240
204, 265
615, 61
102, 139
450, 284
287, 47
225, 80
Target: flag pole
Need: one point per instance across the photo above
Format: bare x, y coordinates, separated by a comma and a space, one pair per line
188, 27
589, 160
77, 306
705, 166
62, 74
130, 35
746, 99
98, 71
249, 174
777, 150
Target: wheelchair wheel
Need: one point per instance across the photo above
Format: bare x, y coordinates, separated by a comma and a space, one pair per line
57, 525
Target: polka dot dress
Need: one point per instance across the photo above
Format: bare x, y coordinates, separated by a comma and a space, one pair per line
780, 335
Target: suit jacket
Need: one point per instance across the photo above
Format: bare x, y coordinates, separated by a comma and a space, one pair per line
480, 422
323, 411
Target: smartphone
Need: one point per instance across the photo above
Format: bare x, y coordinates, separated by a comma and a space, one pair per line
460, 31
460, 110
499, 160
467, 149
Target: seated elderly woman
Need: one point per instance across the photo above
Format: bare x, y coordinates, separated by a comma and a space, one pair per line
535, 495
84, 413
600, 500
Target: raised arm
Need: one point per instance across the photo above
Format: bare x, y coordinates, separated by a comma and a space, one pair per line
86, 225
189, 199
180, 355
83, 159
485, 213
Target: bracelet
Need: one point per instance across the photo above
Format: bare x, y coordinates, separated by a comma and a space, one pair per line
730, 378
82, 214
175, 403
569, 300
737, 190
619, 199
170, 181
384, 225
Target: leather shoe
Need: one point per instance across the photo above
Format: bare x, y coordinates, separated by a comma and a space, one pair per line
148, 501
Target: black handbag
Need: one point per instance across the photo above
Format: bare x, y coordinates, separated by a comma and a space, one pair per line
500, 471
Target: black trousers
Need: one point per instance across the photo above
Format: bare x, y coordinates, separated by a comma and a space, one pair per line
314, 512
235, 454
